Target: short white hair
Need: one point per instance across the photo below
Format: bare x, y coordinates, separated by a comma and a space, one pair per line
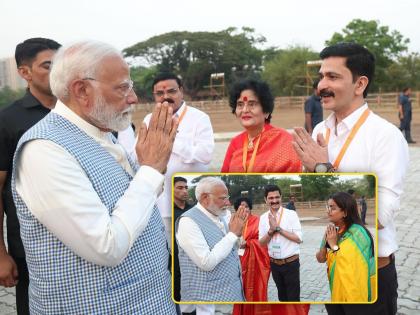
77, 61
206, 184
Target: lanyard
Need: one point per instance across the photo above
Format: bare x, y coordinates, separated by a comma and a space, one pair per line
281, 216
254, 153
279, 220
182, 115
350, 137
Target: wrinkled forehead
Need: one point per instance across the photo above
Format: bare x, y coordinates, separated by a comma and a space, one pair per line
113, 68
219, 189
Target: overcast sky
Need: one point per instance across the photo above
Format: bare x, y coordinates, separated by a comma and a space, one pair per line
123, 23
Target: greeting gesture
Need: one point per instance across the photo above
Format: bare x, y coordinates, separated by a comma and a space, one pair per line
237, 221
154, 145
331, 235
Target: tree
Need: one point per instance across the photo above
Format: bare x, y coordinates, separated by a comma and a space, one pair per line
317, 187
370, 182
7, 95
285, 72
143, 79
195, 55
405, 72
386, 45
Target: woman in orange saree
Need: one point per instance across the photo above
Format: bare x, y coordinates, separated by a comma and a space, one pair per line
254, 258
260, 148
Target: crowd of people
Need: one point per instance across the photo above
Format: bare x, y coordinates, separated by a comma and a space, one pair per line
89, 219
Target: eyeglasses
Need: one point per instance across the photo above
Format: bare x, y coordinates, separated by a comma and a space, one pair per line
251, 105
332, 208
221, 198
123, 89
170, 92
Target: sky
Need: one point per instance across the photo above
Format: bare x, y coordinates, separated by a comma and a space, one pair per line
124, 23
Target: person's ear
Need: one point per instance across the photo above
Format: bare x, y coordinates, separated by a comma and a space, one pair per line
361, 85
81, 91
25, 72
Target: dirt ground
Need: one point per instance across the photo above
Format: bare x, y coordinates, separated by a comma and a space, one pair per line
225, 121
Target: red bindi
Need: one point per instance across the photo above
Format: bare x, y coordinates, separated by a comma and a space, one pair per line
244, 99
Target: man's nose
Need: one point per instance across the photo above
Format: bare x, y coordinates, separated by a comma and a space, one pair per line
322, 84
132, 97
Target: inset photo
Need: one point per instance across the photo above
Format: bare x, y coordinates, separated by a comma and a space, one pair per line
274, 238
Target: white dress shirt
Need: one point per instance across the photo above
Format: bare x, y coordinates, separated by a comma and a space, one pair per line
192, 241
280, 247
378, 147
192, 151
58, 193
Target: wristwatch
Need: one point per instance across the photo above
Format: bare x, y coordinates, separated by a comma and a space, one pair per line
335, 248
277, 229
324, 168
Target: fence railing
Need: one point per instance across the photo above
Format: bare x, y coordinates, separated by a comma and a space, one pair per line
382, 100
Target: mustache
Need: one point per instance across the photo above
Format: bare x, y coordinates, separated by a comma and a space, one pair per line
274, 203
169, 100
326, 93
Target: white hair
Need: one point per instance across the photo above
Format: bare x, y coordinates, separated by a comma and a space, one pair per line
206, 184
77, 61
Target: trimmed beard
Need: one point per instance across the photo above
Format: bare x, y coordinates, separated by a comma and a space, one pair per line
212, 208
106, 117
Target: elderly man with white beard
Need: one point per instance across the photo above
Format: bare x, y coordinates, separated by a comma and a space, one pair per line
208, 257
93, 237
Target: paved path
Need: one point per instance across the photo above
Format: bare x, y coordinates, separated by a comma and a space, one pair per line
314, 282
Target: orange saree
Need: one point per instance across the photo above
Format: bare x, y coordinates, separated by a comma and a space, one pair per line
255, 263
275, 153
255, 274
270, 309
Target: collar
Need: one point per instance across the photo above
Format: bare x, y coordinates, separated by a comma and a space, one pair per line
180, 110
277, 212
30, 101
93, 131
347, 122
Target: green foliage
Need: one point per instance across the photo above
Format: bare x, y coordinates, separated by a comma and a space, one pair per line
370, 184
405, 73
314, 187
143, 79
7, 95
317, 187
195, 55
284, 185
285, 71
386, 45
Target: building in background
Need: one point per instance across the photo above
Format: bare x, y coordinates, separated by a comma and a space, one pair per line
9, 75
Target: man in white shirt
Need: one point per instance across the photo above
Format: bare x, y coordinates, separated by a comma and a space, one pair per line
280, 229
194, 141
208, 257
91, 231
354, 139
